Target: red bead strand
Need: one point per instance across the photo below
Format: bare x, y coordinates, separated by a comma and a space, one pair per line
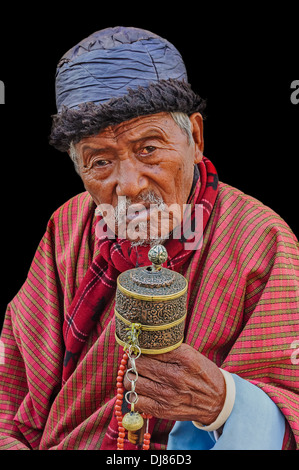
119, 401
146, 436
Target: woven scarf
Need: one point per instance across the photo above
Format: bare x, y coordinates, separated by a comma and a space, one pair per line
116, 256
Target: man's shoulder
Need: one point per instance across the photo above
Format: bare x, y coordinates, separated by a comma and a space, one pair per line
77, 211
247, 211
80, 203
230, 196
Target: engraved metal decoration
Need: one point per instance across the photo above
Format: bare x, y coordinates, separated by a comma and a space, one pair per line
154, 298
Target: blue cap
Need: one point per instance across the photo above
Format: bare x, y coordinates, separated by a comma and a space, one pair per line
109, 62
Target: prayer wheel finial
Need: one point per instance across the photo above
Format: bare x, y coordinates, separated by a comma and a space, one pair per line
157, 255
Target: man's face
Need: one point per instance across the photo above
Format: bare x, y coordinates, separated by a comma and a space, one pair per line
146, 160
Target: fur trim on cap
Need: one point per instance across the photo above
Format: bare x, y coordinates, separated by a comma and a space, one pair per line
71, 125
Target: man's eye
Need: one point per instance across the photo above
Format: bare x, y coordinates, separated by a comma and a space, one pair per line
147, 150
101, 163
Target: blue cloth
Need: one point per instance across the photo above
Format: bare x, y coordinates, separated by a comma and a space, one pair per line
107, 63
255, 423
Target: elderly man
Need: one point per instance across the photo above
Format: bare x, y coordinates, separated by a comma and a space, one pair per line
133, 126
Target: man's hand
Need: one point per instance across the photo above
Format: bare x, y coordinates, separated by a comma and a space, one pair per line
181, 385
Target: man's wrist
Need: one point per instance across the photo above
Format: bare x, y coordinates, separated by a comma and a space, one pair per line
227, 407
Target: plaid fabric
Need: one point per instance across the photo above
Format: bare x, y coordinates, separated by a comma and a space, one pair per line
243, 304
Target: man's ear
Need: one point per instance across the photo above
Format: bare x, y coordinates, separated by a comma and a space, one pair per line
197, 133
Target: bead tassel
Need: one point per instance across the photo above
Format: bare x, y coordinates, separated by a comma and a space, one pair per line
118, 409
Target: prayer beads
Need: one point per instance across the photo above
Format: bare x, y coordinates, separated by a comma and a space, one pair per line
131, 421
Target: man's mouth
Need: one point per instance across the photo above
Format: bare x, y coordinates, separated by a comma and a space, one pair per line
138, 213
147, 219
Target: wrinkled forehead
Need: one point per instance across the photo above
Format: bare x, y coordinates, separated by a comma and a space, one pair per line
160, 126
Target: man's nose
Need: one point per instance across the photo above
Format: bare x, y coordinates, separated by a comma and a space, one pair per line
130, 179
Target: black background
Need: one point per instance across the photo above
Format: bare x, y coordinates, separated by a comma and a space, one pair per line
242, 61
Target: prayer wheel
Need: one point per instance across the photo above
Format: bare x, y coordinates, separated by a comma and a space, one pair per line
152, 299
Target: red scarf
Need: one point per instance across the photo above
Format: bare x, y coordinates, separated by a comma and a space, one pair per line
99, 284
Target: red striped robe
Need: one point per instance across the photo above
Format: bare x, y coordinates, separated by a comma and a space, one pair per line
243, 314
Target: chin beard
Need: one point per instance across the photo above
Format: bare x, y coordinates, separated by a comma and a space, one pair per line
154, 231
143, 227
137, 243
147, 241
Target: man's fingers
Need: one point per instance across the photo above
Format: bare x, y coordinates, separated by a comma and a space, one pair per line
151, 406
143, 386
156, 370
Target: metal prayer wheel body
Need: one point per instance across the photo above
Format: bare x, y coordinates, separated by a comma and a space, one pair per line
154, 299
